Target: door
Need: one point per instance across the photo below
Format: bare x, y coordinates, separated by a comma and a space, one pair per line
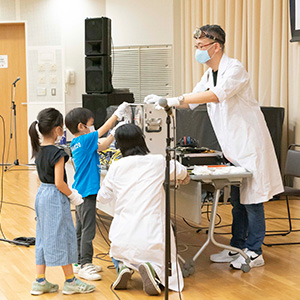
12, 66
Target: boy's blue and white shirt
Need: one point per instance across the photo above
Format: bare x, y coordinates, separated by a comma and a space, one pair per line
87, 165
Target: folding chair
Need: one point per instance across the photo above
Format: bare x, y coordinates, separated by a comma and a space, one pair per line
292, 170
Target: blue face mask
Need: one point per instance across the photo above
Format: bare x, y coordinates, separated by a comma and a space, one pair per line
202, 56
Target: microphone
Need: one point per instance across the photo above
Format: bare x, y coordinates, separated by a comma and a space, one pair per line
164, 103
16, 80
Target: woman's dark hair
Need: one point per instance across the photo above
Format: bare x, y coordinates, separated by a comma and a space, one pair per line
76, 116
47, 119
130, 140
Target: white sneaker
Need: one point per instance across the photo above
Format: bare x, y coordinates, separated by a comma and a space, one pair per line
255, 260
98, 268
224, 256
89, 272
77, 267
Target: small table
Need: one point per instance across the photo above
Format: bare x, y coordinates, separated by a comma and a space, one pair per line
219, 181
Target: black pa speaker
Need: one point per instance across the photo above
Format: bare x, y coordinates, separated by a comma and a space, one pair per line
98, 74
98, 36
98, 103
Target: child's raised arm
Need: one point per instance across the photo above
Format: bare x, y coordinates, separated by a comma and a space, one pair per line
117, 115
105, 143
107, 125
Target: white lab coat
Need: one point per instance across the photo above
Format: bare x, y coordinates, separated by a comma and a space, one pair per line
137, 232
241, 130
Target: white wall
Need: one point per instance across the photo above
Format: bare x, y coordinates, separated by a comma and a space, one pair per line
73, 42
141, 22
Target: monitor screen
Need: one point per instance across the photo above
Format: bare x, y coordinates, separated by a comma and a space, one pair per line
295, 20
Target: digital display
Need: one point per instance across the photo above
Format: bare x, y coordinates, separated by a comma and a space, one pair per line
295, 20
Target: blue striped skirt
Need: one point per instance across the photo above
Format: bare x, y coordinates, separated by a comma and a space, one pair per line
56, 242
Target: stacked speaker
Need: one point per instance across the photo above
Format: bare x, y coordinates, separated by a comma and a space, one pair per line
98, 55
98, 78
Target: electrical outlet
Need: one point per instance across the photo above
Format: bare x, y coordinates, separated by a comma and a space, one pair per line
42, 79
52, 67
41, 67
53, 79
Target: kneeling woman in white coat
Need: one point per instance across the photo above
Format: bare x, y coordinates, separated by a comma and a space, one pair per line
137, 233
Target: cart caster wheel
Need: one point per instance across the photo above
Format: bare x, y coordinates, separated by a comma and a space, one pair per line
185, 273
245, 268
191, 270
188, 269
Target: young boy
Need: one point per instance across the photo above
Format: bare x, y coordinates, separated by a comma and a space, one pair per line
137, 235
85, 147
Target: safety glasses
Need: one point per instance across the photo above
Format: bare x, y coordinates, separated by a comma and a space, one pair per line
198, 46
198, 33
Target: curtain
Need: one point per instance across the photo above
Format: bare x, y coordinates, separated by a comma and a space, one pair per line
257, 34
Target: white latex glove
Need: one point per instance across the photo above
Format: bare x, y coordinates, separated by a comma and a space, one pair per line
113, 131
171, 102
120, 111
75, 198
152, 99
157, 106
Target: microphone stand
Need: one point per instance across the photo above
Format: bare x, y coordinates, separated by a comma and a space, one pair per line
13, 127
168, 266
16, 162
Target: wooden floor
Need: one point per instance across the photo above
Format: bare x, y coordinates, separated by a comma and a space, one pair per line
278, 279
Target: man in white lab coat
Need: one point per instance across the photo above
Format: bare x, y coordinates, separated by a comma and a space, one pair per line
244, 138
137, 233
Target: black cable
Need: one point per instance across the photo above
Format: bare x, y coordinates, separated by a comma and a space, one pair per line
102, 223
18, 204
206, 202
2, 175
101, 230
15, 241
105, 254
10, 138
101, 256
175, 219
102, 259
202, 228
113, 52
187, 223
282, 218
114, 292
208, 217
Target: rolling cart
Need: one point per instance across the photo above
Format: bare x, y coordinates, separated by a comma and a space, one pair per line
218, 181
